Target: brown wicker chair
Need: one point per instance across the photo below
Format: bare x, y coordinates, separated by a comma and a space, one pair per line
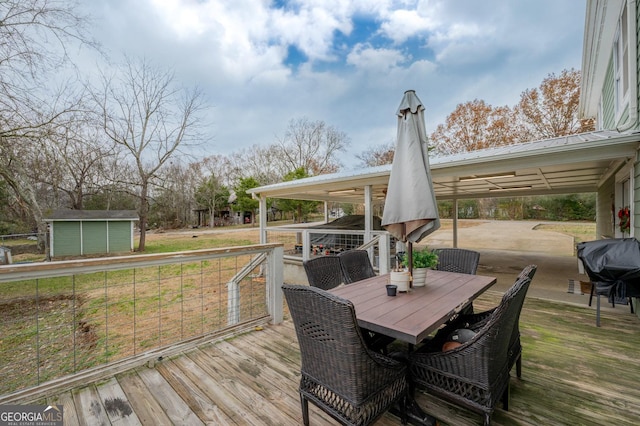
324, 272
356, 265
339, 374
476, 374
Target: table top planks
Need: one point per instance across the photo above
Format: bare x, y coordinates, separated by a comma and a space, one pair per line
411, 316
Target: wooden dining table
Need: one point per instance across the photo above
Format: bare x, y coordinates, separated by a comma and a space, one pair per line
413, 315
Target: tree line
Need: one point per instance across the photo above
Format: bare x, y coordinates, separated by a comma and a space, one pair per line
125, 138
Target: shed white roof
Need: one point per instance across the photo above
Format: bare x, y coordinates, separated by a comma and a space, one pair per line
569, 164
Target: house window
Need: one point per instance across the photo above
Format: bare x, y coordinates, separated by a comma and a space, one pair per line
621, 63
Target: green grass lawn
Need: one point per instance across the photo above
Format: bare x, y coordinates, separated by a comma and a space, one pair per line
580, 231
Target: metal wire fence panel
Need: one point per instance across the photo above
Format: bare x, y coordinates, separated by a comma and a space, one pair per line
84, 314
307, 243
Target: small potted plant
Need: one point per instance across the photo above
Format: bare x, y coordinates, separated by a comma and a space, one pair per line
422, 260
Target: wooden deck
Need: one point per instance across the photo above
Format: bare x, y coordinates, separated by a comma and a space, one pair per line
573, 373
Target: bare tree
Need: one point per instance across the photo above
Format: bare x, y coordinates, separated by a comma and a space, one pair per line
150, 118
217, 165
173, 198
312, 145
377, 155
75, 160
266, 164
34, 38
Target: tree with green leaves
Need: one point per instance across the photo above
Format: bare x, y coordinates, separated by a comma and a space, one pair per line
300, 208
244, 202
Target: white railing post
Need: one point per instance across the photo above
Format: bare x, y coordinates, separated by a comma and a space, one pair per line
306, 245
275, 278
384, 253
263, 220
233, 303
368, 217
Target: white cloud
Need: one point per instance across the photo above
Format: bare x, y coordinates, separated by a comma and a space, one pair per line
365, 57
401, 25
449, 52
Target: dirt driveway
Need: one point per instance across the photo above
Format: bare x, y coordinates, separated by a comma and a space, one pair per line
506, 235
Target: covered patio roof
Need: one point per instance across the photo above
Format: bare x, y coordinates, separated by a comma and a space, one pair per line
570, 164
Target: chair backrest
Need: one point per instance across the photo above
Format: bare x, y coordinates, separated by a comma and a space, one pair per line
332, 348
324, 272
494, 340
458, 260
503, 325
527, 273
355, 265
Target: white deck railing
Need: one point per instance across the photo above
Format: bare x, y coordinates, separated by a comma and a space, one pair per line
305, 243
60, 318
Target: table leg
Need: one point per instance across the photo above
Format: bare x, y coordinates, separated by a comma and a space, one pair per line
415, 414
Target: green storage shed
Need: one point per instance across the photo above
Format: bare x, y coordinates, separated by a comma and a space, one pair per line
82, 232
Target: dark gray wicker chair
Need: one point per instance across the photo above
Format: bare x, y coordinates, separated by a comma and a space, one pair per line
458, 260
476, 321
476, 374
324, 272
356, 265
339, 374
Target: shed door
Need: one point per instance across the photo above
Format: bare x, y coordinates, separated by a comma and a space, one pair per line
66, 238
94, 237
119, 236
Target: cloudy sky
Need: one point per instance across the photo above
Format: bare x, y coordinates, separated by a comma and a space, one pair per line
262, 63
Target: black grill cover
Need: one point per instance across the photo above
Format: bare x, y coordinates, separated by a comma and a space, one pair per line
613, 265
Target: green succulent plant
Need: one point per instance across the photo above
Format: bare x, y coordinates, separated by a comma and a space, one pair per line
424, 258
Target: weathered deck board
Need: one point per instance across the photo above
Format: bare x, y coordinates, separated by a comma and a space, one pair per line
200, 402
147, 409
68, 408
573, 373
116, 404
175, 408
89, 407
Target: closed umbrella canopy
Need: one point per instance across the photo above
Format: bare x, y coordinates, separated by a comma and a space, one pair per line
410, 209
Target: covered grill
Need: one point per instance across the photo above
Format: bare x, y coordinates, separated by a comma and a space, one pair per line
613, 266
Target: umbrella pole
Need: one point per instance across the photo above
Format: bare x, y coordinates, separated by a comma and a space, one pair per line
410, 262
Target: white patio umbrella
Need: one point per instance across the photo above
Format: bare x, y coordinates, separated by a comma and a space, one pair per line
410, 209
